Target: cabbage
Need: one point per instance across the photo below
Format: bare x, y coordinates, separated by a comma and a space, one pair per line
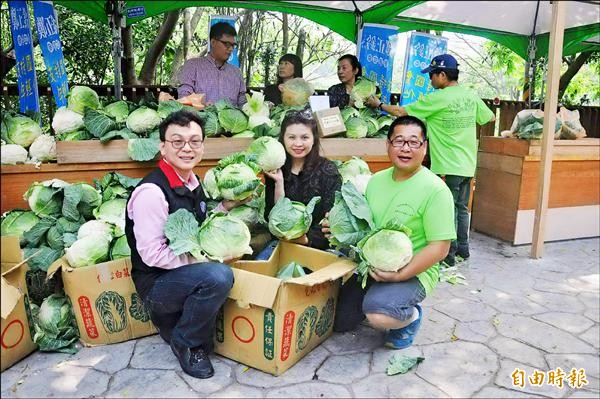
356, 128
43, 148
12, 154
210, 185
66, 121
296, 92
119, 110
360, 182
223, 236
257, 110
268, 152
289, 219
21, 130
388, 248
350, 218
143, 120
80, 199
89, 250
363, 89
82, 97
92, 227
120, 248
236, 177
220, 236
251, 216
62, 234
113, 212
233, 120
17, 222
352, 167
75, 136
45, 199
55, 327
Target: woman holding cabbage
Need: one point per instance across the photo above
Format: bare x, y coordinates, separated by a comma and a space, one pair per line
289, 67
304, 175
348, 71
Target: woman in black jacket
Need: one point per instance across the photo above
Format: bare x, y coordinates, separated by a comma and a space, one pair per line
290, 66
304, 175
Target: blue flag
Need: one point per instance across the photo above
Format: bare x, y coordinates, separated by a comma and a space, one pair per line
26, 78
47, 30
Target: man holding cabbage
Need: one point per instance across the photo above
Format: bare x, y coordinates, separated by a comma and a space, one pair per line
181, 292
411, 196
451, 113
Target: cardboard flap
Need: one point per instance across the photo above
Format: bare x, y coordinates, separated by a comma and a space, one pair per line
330, 273
10, 297
56, 265
11, 253
253, 288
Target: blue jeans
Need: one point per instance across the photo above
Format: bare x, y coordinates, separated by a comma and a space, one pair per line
184, 302
460, 187
395, 300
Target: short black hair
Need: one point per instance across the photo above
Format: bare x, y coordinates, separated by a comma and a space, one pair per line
451, 74
354, 62
405, 121
180, 118
295, 61
221, 28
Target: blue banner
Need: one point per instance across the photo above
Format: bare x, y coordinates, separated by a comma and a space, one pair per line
376, 55
26, 79
233, 58
47, 30
419, 52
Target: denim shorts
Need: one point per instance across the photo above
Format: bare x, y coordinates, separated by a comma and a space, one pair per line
396, 300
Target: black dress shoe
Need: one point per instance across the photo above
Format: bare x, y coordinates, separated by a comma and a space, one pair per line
194, 361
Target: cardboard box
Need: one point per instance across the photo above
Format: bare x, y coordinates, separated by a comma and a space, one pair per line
330, 122
107, 307
270, 324
16, 325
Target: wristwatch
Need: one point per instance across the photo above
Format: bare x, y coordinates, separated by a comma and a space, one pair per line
380, 105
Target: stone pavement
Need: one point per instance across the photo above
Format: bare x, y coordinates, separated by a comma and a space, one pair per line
515, 313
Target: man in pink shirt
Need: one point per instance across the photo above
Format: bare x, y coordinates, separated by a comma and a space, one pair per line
211, 74
183, 294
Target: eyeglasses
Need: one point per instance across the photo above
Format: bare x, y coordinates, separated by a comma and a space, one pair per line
179, 144
228, 45
413, 144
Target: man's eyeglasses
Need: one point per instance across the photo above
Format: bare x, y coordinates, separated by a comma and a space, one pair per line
227, 44
412, 143
179, 144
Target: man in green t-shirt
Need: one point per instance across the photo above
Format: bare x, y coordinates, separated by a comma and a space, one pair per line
411, 194
451, 114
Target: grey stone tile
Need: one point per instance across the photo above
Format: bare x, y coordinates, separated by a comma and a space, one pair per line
223, 377
475, 331
154, 353
517, 351
569, 361
314, 389
541, 335
569, 322
465, 311
495, 392
101, 358
238, 391
344, 369
581, 393
407, 385
436, 327
510, 303
363, 339
63, 381
588, 282
10, 380
592, 336
591, 300
132, 383
504, 379
302, 371
459, 369
39, 361
556, 302
556, 287
592, 314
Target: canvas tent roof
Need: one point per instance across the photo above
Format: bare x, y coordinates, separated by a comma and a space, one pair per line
507, 22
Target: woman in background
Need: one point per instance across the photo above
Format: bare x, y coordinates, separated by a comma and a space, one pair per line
290, 66
349, 69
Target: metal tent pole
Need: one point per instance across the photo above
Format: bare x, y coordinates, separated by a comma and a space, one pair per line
114, 8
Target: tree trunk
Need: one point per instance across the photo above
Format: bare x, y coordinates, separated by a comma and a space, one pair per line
128, 60
286, 34
571, 71
182, 54
187, 32
158, 46
301, 44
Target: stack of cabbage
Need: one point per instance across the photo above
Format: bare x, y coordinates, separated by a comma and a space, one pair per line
24, 141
